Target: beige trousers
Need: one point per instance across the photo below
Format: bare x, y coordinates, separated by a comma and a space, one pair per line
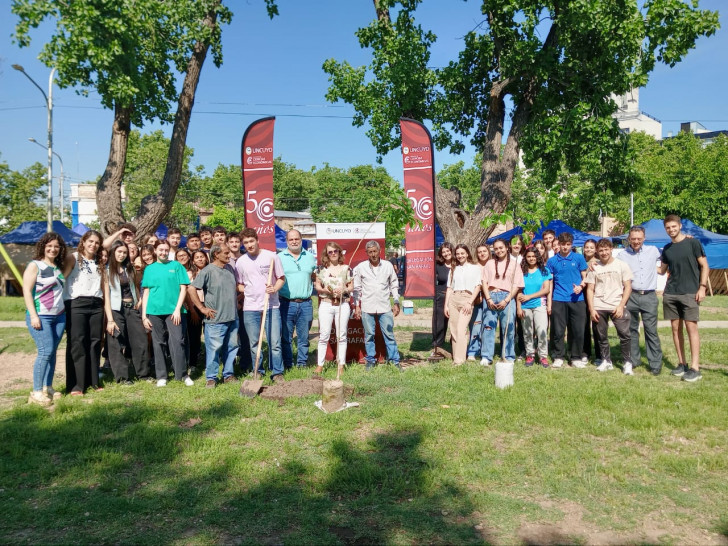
459, 323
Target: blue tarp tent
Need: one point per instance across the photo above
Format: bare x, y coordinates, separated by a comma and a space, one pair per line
715, 244
558, 226
80, 228
28, 233
281, 240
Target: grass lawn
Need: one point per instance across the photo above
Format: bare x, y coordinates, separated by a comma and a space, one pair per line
433, 455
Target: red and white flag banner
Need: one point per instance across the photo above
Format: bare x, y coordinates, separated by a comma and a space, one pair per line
257, 164
419, 185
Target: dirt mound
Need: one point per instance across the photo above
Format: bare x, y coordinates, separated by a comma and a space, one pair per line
299, 388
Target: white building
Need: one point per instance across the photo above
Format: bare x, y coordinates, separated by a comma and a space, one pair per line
83, 203
631, 119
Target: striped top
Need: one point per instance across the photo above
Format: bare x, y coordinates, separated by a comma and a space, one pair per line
48, 289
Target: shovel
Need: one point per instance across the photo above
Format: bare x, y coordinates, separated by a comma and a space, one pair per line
251, 387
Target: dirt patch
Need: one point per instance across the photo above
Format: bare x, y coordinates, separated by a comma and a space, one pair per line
655, 528
298, 388
16, 372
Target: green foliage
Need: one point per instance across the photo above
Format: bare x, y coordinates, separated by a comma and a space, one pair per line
231, 218
465, 179
145, 164
292, 187
362, 194
127, 50
20, 195
682, 176
223, 188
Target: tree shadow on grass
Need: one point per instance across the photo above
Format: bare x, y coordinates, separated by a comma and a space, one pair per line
113, 472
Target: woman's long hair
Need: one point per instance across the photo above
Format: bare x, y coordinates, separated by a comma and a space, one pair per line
43, 241
439, 258
508, 257
455, 260
85, 237
539, 262
115, 266
193, 267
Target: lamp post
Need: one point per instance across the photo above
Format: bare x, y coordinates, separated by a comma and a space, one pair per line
49, 106
61, 179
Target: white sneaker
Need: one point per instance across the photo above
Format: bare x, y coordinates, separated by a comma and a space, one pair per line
161, 383
484, 362
557, 363
585, 359
189, 382
52, 393
40, 398
627, 369
605, 366
578, 364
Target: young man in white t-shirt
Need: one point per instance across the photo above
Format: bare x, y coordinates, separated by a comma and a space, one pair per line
608, 287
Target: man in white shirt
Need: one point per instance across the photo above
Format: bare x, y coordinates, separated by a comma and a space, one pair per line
374, 282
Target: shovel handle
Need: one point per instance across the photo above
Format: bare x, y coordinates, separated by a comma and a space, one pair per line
262, 322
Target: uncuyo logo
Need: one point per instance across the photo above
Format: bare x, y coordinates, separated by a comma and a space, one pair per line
263, 209
423, 207
248, 150
405, 150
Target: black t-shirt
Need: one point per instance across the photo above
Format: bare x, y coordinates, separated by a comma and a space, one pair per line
442, 272
682, 263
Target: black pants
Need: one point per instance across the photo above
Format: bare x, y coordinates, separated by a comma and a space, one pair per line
194, 333
167, 334
84, 330
132, 338
622, 327
244, 358
439, 320
573, 315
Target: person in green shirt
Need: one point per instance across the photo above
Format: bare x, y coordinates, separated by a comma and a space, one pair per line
165, 288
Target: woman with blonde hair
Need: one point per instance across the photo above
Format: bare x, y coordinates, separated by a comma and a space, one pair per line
334, 284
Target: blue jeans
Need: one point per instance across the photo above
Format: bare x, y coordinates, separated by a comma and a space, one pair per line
251, 320
386, 324
221, 344
507, 319
46, 340
475, 344
298, 316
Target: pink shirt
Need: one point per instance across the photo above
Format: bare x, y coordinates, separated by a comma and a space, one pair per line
504, 281
252, 271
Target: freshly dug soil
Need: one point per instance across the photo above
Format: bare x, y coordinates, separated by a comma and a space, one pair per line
299, 388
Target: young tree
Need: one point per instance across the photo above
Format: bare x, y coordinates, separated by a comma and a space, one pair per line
549, 65
20, 194
130, 52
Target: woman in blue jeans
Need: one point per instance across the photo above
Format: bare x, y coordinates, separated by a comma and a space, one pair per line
43, 283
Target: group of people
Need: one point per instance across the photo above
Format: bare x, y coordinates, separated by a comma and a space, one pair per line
153, 302
547, 298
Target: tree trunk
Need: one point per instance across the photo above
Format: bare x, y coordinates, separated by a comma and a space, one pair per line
154, 208
108, 188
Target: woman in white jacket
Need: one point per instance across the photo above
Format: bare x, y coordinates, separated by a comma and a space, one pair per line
463, 288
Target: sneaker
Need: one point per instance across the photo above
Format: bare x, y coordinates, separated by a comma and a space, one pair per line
692, 375
520, 357
484, 362
655, 371
210, 384
39, 398
679, 371
278, 379
598, 362
605, 366
627, 369
161, 383
189, 382
557, 363
530, 359
579, 363
126, 382
585, 360
471, 359
544, 362
52, 393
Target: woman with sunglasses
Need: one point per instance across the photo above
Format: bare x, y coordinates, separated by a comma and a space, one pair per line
334, 284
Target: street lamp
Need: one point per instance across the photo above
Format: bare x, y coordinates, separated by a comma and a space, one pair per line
49, 106
61, 180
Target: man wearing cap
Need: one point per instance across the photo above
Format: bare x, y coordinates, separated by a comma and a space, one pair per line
299, 266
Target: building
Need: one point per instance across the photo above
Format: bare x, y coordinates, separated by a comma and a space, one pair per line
697, 128
83, 203
631, 119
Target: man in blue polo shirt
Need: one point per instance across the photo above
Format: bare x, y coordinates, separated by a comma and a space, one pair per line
568, 306
295, 296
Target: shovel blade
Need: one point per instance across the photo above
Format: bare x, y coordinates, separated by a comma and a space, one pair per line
251, 387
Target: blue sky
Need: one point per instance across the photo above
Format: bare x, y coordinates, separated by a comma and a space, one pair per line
286, 54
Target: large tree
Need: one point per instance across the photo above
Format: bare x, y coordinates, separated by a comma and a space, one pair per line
21, 193
550, 66
131, 53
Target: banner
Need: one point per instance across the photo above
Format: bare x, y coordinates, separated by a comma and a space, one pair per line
352, 238
419, 185
257, 163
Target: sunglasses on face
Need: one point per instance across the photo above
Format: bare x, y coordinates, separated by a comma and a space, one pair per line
332, 252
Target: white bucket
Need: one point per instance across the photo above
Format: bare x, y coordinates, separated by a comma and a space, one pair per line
503, 374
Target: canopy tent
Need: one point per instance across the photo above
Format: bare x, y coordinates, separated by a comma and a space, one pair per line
715, 244
559, 227
281, 239
80, 228
28, 233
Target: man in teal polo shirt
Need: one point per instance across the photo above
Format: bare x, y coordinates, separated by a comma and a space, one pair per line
295, 296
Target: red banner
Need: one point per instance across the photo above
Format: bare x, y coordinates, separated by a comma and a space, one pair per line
257, 163
419, 185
